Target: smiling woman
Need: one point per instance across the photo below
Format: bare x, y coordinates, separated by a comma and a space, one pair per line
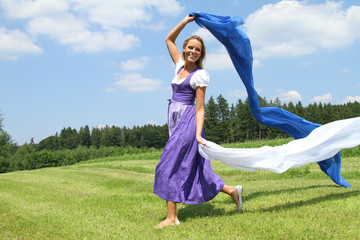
183, 175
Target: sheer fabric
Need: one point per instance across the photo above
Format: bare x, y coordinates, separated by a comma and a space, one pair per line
227, 30
322, 143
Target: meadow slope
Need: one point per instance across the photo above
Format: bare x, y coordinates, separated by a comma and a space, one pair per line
112, 198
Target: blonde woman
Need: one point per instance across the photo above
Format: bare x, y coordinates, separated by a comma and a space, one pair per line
182, 175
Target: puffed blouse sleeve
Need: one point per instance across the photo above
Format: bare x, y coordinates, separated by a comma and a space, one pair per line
178, 65
200, 78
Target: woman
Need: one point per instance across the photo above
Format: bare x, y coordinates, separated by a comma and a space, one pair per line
182, 175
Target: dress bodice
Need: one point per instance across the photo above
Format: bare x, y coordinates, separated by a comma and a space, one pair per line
183, 92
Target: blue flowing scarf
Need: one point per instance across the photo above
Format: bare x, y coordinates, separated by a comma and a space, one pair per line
227, 30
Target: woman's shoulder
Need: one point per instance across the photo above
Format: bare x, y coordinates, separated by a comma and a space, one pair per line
178, 65
202, 73
180, 61
200, 78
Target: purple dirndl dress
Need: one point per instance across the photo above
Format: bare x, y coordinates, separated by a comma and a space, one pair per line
183, 175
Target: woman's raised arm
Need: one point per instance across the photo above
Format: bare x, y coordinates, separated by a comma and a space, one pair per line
173, 34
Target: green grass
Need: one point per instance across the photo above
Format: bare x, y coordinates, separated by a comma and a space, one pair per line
111, 198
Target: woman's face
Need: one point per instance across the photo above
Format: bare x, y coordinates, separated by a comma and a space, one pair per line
192, 50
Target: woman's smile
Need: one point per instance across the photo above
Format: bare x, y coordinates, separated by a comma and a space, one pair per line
193, 50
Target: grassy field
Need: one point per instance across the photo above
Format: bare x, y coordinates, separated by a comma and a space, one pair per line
112, 198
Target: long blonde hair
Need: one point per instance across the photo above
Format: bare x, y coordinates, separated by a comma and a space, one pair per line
199, 62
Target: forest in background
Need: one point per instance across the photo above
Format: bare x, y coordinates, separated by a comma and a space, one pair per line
224, 123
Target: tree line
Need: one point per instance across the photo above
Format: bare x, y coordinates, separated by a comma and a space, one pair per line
149, 136
224, 123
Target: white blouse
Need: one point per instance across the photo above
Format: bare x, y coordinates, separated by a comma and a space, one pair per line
200, 78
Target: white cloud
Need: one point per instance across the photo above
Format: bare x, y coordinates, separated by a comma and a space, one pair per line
218, 62
102, 126
17, 9
111, 89
346, 70
260, 91
205, 35
324, 98
124, 13
72, 22
63, 28
151, 122
257, 63
134, 64
154, 26
71, 31
135, 82
168, 7
351, 99
237, 93
294, 28
288, 96
308, 63
14, 44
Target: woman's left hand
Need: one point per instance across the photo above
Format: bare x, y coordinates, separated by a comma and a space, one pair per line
201, 140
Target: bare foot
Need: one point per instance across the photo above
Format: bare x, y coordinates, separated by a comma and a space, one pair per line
168, 222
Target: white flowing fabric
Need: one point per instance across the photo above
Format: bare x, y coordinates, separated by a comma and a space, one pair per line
322, 143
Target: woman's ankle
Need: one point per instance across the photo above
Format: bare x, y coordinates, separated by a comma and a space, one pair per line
171, 219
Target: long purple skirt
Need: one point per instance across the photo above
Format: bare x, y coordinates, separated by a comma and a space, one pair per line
183, 175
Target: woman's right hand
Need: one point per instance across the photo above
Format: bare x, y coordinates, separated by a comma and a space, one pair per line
189, 18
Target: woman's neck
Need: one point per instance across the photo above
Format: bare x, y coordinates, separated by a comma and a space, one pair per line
189, 66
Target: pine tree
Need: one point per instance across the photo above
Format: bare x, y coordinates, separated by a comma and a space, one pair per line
211, 122
111, 137
96, 135
69, 138
240, 124
299, 109
223, 130
250, 123
232, 126
84, 136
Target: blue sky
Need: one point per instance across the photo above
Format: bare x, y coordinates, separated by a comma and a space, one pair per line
71, 63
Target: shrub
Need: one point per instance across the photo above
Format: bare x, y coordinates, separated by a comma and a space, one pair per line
4, 165
40, 159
